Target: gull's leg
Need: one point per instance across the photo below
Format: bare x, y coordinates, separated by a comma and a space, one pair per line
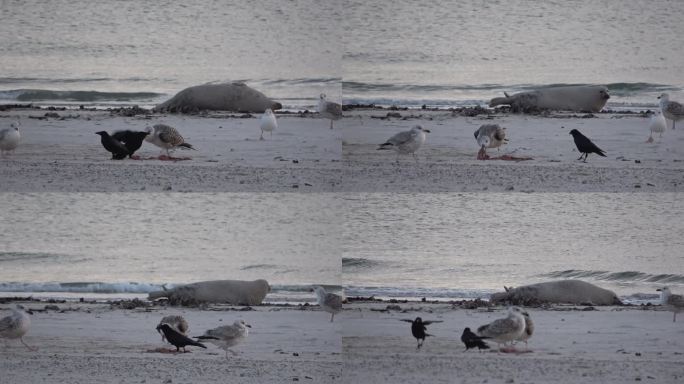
262, 135
26, 345
332, 315
331, 122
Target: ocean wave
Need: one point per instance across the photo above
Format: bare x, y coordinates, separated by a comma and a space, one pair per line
358, 262
23, 256
20, 80
410, 292
30, 95
619, 89
82, 287
622, 277
258, 266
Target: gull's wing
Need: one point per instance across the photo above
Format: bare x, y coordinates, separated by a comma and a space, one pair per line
333, 301
401, 138
7, 323
498, 327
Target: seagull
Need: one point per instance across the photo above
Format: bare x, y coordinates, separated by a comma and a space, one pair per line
672, 110
658, 124
132, 140
674, 303
585, 146
166, 137
227, 336
529, 329
16, 325
329, 110
418, 329
268, 123
472, 340
489, 136
176, 322
9, 138
178, 339
407, 141
329, 302
117, 148
505, 330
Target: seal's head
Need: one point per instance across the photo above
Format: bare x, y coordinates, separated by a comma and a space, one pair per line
603, 94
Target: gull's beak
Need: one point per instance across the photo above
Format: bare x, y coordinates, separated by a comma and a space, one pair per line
30, 312
658, 97
426, 130
247, 325
659, 290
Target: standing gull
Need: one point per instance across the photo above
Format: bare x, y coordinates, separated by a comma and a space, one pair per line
419, 330
227, 336
674, 303
176, 322
489, 136
529, 329
329, 110
472, 340
166, 137
656, 125
505, 330
16, 325
178, 339
9, 138
329, 302
585, 146
268, 123
407, 141
672, 110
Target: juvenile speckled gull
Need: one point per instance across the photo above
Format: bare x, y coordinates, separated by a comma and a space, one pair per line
166, 137
16, 325
529, 329
329, 110
177, 322
268, 123
227, 336
9, 138
672, 110
505, 330
407, 141
329, 302
489, 136
674, 303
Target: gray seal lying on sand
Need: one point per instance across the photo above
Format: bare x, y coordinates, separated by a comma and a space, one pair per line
236, 292
236, 97
579, 98
562, 291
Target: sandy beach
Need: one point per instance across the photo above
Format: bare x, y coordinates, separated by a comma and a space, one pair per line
64, 155
86, 343
570, 345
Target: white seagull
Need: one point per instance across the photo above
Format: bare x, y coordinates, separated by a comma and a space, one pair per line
9, 138
674, 303
16, 325
505, 330
329, 110
166, 137
329, 302
407, 141
268, 123
656, 125
529, 329
489, 136
227, 336
672, 110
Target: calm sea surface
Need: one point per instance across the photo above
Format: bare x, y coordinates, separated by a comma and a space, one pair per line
441, 53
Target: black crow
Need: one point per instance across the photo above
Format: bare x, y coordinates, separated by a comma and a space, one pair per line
131, 139
472, 340
585, 146
176, 338
118, 150
418, 329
